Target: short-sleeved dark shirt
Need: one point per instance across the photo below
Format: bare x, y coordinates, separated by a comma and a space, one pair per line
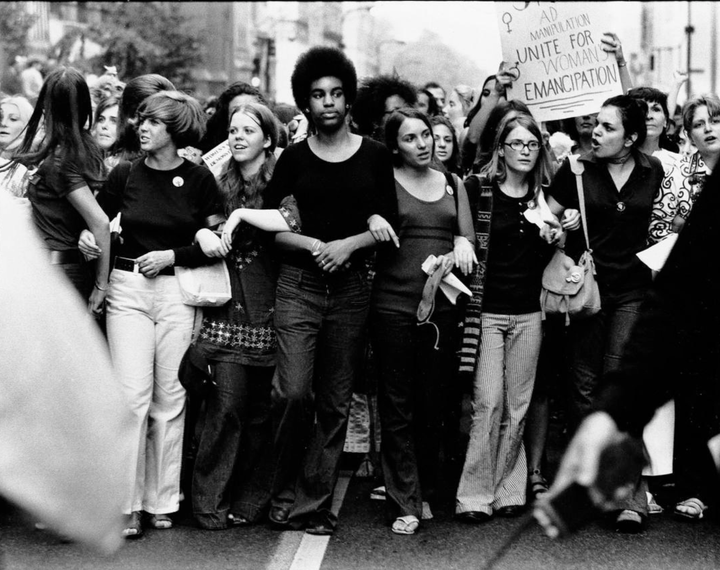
335, 199
617, 222
517, 256
57, 220
161, 209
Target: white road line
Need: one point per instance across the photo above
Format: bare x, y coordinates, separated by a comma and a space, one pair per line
309, 550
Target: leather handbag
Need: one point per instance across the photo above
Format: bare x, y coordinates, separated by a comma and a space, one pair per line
195, 373
570, 288
205, 286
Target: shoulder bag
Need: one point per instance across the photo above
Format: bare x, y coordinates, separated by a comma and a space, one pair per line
568, 288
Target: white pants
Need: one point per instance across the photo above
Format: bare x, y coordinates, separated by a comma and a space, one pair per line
149, 329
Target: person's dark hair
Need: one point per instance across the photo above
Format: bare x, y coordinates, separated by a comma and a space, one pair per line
434, 85
487, 137
453, 163
217, 124
285, 113
236, 191
64, 111
369, 109
476, 108
633, 114
320, 62
127, 145
210, 103
495, 170
392, 128
182, 115
433, 107
652, 95
104, 105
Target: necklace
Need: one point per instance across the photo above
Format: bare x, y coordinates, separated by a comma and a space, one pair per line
620, 159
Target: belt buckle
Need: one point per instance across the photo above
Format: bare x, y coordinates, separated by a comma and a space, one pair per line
136, 267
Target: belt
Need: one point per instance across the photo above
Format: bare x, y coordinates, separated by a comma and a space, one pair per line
131, 265
65, 257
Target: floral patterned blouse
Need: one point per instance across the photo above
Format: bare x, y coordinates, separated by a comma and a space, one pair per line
679, 189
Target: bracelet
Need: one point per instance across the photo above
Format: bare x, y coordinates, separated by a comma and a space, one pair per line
100, 288
623, 64
314, 245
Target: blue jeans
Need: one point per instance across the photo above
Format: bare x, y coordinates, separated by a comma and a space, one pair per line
414, 397
233, 466
321, 323
595, 348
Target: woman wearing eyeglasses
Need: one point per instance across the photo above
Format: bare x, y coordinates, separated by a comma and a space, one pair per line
503, 322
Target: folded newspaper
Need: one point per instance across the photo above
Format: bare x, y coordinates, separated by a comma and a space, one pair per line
450, 285
656, 255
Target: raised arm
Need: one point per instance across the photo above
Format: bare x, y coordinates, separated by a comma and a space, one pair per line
610, 42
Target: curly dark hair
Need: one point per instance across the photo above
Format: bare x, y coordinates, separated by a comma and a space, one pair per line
217, 124
322, 61
369, 109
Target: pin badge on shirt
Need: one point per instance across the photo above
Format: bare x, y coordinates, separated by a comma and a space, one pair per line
449, 190
621, 206
177, 182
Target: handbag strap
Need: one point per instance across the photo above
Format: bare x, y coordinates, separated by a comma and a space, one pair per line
578, 170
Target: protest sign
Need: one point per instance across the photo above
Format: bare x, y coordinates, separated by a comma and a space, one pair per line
554, 50
217, 158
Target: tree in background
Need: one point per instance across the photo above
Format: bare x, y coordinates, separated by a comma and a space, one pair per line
138, 38
14, 26
427, 60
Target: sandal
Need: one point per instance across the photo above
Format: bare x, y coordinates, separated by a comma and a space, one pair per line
695, 509
133, 527
238, 520
538, 484
653, 507
378, 493
406, 525
629, 522
161, 522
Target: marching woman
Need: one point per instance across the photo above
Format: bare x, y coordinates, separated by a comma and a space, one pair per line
620, 184
164, 201
69, 168
447, 149
683, 184
503, 322
416, 363
232, 476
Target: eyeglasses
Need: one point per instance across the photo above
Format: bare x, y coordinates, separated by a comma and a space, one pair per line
517, 146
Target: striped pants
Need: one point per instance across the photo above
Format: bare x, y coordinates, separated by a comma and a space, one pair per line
495, 471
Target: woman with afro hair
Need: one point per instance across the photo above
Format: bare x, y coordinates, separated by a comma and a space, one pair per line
343, 185
377, 98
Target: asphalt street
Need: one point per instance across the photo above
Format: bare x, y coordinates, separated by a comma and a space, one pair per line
364, 542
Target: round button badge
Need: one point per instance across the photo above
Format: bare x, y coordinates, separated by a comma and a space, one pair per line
177, 182
621, 206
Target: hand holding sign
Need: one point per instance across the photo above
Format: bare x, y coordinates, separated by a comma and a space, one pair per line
611, 43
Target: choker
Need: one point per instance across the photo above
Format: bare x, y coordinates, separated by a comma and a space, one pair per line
620, 159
